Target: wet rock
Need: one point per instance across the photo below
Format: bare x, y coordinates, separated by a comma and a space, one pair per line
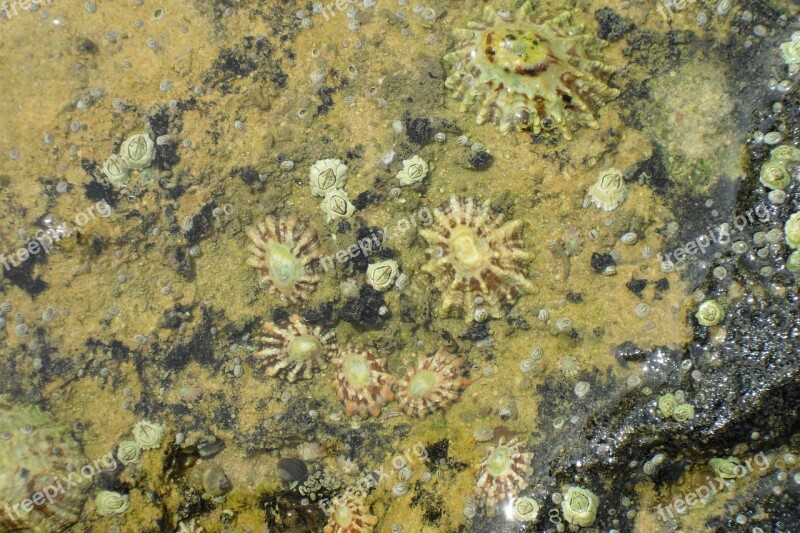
637, 286
419, 130
364, 310
612, 26
600, 262
480, 160
627, 352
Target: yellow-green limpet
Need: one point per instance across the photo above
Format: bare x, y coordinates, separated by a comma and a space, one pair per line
667, 404
683, 413
725, 468
793, 262
792, 231
710, 313
774, 175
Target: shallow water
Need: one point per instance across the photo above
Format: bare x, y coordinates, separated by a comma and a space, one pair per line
137, 303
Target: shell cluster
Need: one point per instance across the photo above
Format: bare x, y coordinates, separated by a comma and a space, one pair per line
432, 385
136, 153
349, 514
147, 435
327, 178
522, 73
503, 472
295, 350
777, 171
37, 453
283, 252
477, 260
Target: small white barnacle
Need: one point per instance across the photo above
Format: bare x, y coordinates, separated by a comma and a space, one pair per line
609, 191
138, 151
129, 452
117, 171
111, 503
336, 205
326, 175
414, 170
381, 275
148, 435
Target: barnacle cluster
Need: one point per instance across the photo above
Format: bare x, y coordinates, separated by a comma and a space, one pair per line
295, 350
349, 514
777, 171
136, 153
670, 407
283, 250
476, 260
432, 385
362, 381
523, 73
504, 471
327, 178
